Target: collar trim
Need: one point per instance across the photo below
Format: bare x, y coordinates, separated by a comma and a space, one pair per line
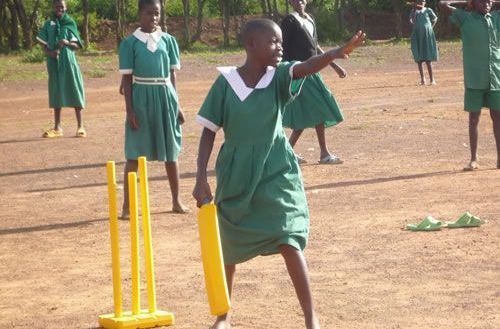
150, 39
234, 79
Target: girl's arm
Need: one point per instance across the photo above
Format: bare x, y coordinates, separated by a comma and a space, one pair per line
316, 63
70, 44
202, 191
413, 13
173, 79
341, 72
126, 84
447, 7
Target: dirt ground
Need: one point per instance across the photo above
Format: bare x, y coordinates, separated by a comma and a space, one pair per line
404, 148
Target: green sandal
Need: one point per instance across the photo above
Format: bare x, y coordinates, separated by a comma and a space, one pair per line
429, 223
466, 220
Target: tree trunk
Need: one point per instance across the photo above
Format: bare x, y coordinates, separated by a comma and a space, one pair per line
25, 24
199, 21
269, 9
33, 19
14, 32
275, 11
363, 4
85, 29
399, 23
263, 5
120, 21
163, 16
186, 10
225, 21
3, 20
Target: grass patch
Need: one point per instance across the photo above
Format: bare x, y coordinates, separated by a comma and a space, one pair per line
35, 55
96, 73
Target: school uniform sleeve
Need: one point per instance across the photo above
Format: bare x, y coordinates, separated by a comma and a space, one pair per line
288, 87
211, 114
173, 53
459, 16
126, 56
289, 29
43, 34
432, 16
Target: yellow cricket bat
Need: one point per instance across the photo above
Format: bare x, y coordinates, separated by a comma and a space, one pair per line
213, 262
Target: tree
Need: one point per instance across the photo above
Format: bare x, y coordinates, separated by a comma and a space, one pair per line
225, 20
163, 16
120, 21
26, 21
398, 9
85, 30
199, 20
14, 32
186, 10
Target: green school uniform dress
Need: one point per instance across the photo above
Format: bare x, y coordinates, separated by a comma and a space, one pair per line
65, 78
150, 57
423, 40
315, 104
260, 197
481, 57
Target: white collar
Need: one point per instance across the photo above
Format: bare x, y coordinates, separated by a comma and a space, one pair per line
300, 18
150, 39
238, 85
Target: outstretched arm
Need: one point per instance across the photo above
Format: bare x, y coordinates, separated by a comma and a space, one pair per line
341, 72
448, 6
201, 191
316, 63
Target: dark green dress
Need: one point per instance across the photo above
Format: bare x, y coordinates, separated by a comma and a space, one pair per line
65, 78
148, 56
423, 40
260, 197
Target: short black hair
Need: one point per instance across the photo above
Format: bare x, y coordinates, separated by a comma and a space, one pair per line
144, 3
256, 25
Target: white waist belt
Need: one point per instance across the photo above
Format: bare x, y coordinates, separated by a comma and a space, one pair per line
151, 81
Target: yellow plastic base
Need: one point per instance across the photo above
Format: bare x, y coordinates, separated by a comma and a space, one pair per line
142, 320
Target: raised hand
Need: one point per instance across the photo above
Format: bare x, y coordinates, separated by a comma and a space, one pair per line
357, 40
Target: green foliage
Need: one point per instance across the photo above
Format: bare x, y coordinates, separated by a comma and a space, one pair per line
328, 27
35, 55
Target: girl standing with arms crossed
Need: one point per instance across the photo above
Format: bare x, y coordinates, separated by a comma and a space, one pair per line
423, 40
315, 106
60, 38
148, 59
260, 198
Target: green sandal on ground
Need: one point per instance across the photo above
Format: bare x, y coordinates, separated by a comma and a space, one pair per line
466, 220
429, 223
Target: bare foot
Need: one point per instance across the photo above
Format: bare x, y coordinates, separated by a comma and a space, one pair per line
179, 208
125, 213
471, 166
222, 323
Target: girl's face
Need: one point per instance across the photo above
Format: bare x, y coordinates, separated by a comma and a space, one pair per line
299, 5
482, 6
420, 4
268, 47
59, 8
149, 17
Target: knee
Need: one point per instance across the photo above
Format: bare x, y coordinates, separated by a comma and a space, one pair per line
474, 119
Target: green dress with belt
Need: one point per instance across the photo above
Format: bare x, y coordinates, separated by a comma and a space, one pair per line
260, 197
65, 78
150, 57
423, 39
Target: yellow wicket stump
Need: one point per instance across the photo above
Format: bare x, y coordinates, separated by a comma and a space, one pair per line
136, 318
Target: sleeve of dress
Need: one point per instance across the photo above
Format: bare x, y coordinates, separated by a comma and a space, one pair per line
174, 54
458, 16
126, 56
211, 114
433, 17
43, 34
288, 87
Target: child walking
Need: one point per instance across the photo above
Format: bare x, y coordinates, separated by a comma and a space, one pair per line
299, 44
260, 198
60, 38
148, 59
480, 31
423, 40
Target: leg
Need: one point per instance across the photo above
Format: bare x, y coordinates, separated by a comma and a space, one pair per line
57, 119
473, 138
297, 268
495, 116
130, 166
325, 156
294, 137
78, 114
172, 170
421, 71
224, 321
429, 69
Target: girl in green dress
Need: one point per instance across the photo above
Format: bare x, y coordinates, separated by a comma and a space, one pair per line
260, 197
148, 59
299, 43
60, 38
423, 40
